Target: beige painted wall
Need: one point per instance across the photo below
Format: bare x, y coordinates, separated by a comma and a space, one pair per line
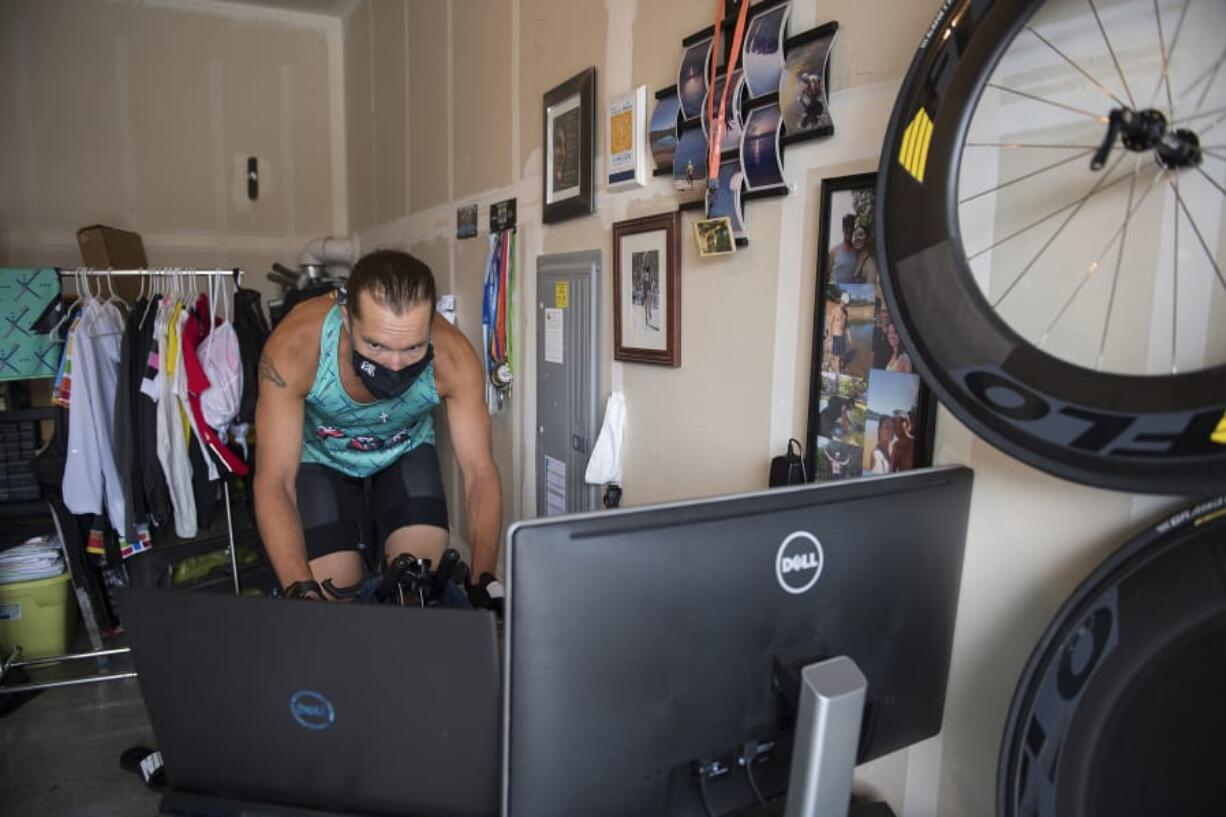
141, 116
711, 426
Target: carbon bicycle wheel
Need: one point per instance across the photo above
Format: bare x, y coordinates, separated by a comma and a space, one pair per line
1119, 710
1051, 200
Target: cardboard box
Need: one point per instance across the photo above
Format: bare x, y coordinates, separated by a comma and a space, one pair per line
104, 247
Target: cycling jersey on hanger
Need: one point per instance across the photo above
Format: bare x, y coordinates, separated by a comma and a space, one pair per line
171, 439
91, 477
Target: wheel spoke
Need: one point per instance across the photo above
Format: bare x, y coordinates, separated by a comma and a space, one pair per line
1119, 260
1029, 175
1093, 191
1131, 102
1050, 215
1081, 70
1200, 115
1166, 66
1094, 265
1174, 41
1175, 291
1215, 155
1211, 126
1094, 116
1208, 77
1195, 229
1211, 180
1016, 145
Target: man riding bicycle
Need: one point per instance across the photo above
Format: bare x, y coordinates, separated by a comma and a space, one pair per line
345, 424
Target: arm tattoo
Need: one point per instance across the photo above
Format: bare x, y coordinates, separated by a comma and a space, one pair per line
269, 372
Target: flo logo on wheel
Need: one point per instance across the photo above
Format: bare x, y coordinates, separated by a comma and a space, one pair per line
799, 561
312, 710
1219, 433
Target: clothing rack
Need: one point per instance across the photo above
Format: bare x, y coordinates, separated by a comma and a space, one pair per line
170, 272
13, 661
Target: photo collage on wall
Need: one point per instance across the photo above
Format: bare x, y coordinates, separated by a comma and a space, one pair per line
776, 95
869, 406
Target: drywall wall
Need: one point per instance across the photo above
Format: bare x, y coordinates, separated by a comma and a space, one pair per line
142, 116
710, 426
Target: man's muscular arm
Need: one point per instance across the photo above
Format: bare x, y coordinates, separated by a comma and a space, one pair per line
462, 387
284, 382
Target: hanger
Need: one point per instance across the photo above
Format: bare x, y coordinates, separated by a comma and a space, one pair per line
51, 333
115, 296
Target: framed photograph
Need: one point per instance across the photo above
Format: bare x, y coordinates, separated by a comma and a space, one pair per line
733, 128
725, 200
690, 162
869, 412
647, 290
664, 129
761, 156
714, 236
569, 133
692, 77
803, 92
466, 221
762, 53
626, 159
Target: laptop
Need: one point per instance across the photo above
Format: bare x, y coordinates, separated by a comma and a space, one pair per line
298, 709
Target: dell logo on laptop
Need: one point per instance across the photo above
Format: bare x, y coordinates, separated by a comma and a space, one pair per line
311, 709
799, 562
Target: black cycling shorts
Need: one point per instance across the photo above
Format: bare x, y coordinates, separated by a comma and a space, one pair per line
340, 512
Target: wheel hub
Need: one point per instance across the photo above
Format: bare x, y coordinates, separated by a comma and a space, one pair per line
1143, 131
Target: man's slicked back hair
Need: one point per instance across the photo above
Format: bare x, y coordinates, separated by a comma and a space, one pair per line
394, 279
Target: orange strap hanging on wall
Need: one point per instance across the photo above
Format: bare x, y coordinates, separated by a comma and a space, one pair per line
715, 128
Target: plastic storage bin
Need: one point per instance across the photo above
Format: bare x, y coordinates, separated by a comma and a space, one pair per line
40, 615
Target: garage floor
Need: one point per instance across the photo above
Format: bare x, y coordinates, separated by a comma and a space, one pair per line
59, 751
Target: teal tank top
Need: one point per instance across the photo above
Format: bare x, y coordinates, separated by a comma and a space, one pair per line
355, 438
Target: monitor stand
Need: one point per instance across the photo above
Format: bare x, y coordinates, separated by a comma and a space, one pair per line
828, 717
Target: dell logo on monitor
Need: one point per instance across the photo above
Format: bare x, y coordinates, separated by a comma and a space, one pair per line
799, 562
311, 709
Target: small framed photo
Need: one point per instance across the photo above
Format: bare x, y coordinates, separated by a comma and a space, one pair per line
569, 133
647, 290
733, 127
803, 91
466, 221
690, 163
664, 129
763, 48
626, 159
869, 412
692, 77
725, 199
761, 156
714, 236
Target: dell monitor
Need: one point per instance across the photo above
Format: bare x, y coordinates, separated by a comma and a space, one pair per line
657, 657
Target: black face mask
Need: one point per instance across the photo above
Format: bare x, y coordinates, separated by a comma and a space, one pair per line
384, 383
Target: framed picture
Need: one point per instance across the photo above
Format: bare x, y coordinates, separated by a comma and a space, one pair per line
664, 129
626, 159
869, 412
647, 290
733, 127
466, 221
725, 200
762, 53
569, 133
714, 236
692, 77
803, 90
690, 163
761, 156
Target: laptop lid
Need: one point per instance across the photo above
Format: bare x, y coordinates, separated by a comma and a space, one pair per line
359, 709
